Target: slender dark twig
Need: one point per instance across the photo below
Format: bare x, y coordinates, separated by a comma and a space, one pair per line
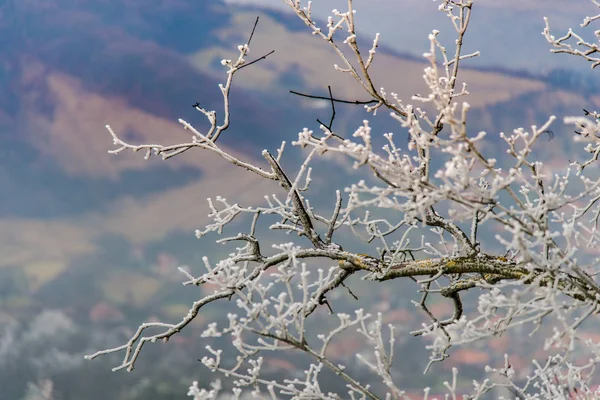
258, 59
248, 43
334, 217
349, 291
299, 209
252, 33
550, 134
332, 116
310, 96
332, 111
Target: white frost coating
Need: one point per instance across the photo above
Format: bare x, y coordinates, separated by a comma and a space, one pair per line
441, 211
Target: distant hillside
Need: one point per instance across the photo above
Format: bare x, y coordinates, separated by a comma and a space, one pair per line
83, 230
71, 67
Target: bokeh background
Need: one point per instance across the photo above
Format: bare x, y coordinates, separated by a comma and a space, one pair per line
90, 242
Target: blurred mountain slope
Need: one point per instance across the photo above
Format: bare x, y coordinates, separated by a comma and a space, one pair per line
82, 230
69, 68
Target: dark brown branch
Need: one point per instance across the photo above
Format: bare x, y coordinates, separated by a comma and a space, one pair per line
299, 210
434, 219
253, 28
332, 112
319, 297
258, 59
356, 102
334, 217
383, 178
423, 305
248, 43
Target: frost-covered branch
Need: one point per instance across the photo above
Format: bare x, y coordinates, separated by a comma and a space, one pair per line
443, 212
